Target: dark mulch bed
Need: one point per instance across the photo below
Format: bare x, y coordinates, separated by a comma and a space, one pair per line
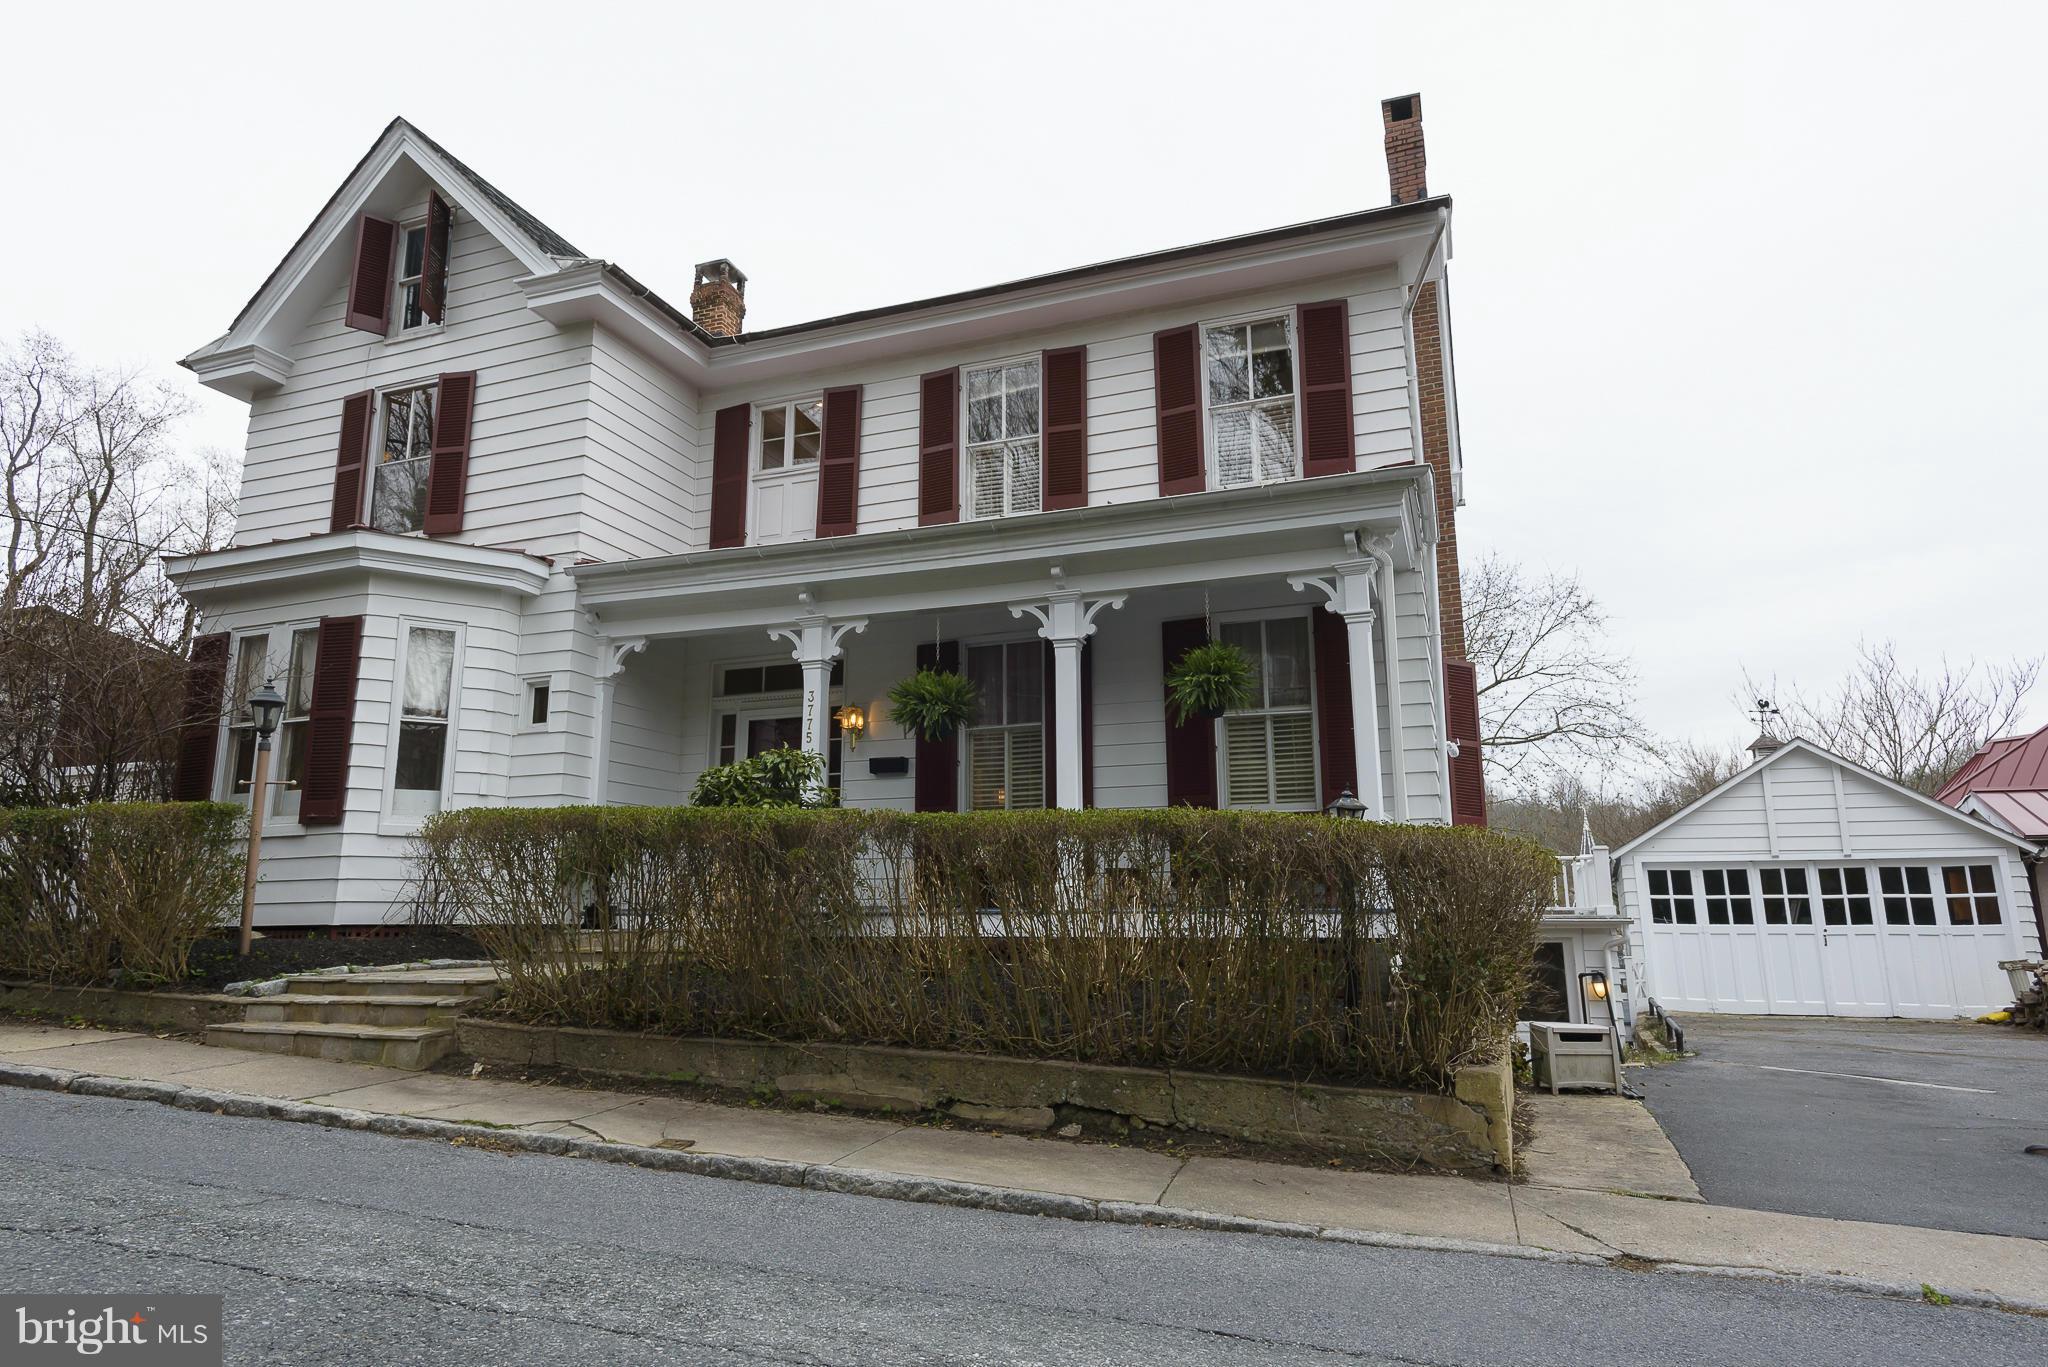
215, 963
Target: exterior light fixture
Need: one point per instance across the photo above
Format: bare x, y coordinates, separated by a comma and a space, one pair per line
853, 724
1348, 806
1593, 985
266, 705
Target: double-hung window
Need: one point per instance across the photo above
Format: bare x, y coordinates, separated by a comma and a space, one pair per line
419, 773
1002, 439
791, 434
412, 261
1006, 735
1269, 748
398, 490
294, 677
1250, 382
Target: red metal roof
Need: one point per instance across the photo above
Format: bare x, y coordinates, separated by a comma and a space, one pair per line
2024, 814
2010, 764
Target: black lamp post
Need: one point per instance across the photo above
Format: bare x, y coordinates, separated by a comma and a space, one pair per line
266, 705
1347, 805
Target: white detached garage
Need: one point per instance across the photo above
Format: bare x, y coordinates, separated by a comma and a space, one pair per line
1808, 885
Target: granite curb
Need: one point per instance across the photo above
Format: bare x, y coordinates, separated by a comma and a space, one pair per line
909, 1187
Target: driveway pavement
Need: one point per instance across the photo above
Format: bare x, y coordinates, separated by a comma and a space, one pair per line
1907, 1122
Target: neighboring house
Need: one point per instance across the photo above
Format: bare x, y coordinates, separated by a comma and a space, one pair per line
1584, 933
2006, 783
1808, 885
514, 530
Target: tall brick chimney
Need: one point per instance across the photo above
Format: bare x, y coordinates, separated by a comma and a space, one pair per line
1407, 168
718, 301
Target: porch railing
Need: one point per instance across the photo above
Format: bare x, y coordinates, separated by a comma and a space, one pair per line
1585, 883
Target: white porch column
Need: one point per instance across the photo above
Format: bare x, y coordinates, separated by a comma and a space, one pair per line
1348, 591
1067, 620
814, 643
611, 662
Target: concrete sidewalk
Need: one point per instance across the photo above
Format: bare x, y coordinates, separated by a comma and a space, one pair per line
1572, 1206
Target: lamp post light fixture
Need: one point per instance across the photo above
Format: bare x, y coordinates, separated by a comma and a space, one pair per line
1347, 805
266, 705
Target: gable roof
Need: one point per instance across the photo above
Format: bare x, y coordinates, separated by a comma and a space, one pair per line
1799, 746
546, 252
2009, 764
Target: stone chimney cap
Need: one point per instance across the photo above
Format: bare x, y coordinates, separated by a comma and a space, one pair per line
721, 271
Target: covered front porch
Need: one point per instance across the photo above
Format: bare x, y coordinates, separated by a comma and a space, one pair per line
1067, 623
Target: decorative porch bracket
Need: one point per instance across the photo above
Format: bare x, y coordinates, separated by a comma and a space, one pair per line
1067, 619
611, 662
814, 643
1348, 591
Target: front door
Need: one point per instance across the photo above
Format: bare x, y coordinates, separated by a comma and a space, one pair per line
765, 731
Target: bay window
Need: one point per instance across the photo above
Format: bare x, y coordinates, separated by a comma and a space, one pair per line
1005, 738
1249, 371
1002, 439
425, 693
1269, 748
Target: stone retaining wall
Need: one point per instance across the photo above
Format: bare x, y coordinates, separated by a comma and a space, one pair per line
190, 1011
1468, 1131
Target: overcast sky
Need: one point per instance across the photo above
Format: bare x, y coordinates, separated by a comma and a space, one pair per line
1749, 301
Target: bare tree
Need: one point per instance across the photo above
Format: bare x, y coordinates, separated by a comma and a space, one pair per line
92, 635
1554, 693
1554, 810
1914, 728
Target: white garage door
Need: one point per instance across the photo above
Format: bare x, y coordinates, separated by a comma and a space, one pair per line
1848, 939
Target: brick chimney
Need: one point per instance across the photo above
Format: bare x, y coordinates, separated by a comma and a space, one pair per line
1407, 169
718, 301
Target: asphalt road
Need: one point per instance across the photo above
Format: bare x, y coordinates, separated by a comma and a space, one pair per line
336, 1247
1906, 1122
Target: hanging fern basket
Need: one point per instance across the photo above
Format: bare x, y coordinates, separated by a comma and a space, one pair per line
1208, 681
932, 704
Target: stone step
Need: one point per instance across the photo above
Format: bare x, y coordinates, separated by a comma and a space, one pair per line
478, 984
395, 1046
360, 1009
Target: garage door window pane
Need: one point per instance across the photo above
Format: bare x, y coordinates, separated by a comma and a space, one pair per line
1785, 897
1727, 897
1845, 896
1908, 894
1972, 894
1671, 901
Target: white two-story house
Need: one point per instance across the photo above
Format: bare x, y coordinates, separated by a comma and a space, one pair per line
514, 530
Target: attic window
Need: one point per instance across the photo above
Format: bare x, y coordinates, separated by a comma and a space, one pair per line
412, 262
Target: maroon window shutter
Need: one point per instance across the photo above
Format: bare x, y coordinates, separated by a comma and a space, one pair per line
938, 448
1063, 395
839, 464
199, 736
1190, 746
1336, 744
448, 471
369, 287
331, 721
1323, 334
937, 762
1461, 718
351, 463
434, 262
1177, 393
730, 434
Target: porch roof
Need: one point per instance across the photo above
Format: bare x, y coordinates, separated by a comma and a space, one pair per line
1295, 527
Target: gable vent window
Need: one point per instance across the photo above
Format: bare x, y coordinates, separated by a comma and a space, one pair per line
398, 493
412, 263
1002, 439
1269, 748
1250, 383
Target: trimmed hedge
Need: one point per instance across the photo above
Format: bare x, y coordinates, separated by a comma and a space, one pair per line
89, 894
1283, 945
